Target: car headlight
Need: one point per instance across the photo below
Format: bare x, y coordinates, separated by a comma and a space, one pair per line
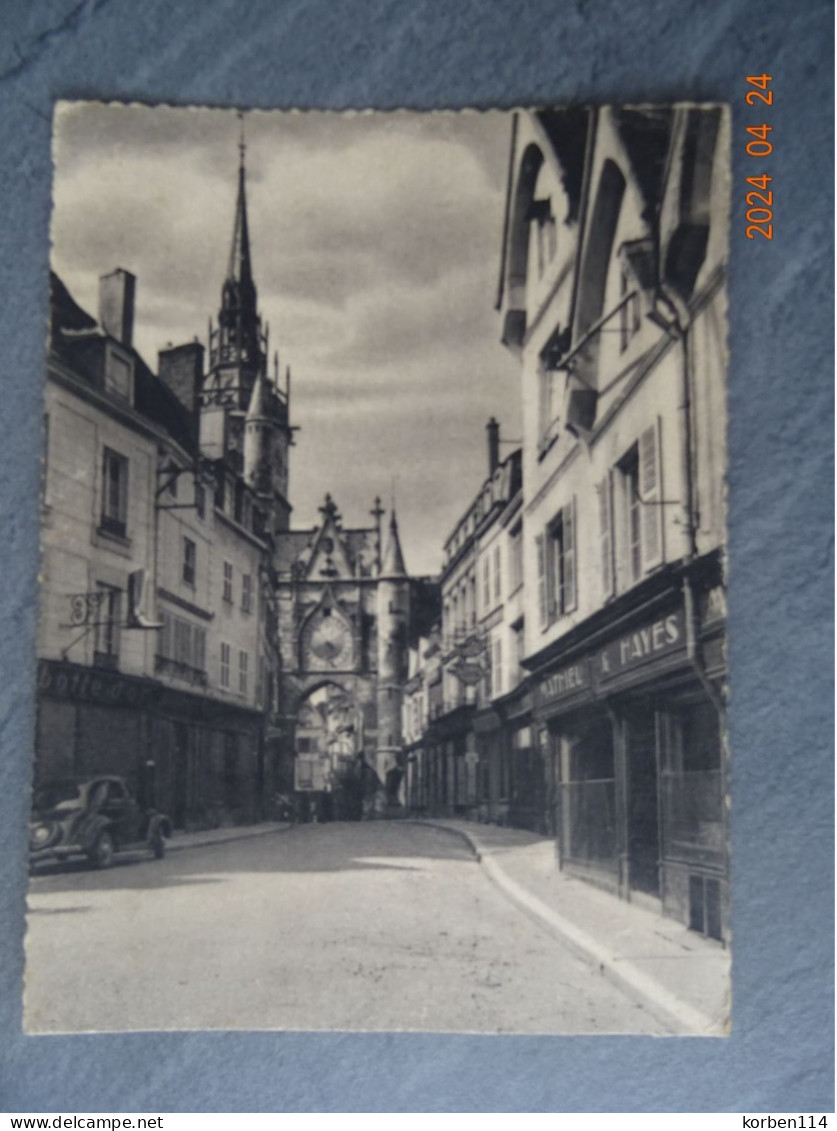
42, 835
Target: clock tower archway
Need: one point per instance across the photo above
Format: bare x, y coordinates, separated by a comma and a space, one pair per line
328, 752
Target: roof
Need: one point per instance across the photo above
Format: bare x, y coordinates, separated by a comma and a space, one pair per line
77, 339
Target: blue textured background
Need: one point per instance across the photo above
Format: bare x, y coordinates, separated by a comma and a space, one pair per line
425, 54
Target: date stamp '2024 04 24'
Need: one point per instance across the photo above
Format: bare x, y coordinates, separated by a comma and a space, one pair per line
760, 203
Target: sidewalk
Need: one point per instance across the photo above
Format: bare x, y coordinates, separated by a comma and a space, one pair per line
683, 978
223, 835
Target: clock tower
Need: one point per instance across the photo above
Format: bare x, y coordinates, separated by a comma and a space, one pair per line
245, 418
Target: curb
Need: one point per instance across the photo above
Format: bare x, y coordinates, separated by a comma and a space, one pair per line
665, 1006
175, 845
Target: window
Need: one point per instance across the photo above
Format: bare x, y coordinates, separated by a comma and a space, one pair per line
228, 582
106, 640
557, 567
190, 552
114, 493
246, 592
486, 582
516, 559
498, 583
118, 375
242, 672
182, 648
633, 537
220, 491
225, 665
640, 532
200, 499
498, 667
519, 652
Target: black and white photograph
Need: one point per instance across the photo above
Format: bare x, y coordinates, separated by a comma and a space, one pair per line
382, 656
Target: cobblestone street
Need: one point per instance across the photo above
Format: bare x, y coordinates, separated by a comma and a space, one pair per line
382, 925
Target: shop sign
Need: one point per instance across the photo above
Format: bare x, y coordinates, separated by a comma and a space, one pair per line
648, 642
714, 606
69, 681
566, 681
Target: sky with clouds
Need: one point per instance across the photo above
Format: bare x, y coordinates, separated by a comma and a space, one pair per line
376, 244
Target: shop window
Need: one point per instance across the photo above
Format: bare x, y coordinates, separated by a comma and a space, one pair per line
114, 517
230, 770
587, 794
692, 784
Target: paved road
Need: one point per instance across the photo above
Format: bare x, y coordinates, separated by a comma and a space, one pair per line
349, 926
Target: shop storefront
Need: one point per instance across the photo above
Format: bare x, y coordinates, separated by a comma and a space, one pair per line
635, 727
200, 761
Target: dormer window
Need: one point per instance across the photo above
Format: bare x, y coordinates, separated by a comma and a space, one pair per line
545, 234
628, 311
119, 374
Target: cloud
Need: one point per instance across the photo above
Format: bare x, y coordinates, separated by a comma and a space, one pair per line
376, 244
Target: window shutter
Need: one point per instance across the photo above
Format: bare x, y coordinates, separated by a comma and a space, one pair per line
543, 611
606, 536
568, 524
650, 495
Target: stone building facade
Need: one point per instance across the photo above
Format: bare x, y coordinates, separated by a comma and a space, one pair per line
613, 299
158, 656
585, 690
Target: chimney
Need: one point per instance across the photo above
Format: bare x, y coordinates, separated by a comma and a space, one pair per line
181, 368
493, 430
116, 305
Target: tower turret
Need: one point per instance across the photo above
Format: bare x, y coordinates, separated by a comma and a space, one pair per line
393, 612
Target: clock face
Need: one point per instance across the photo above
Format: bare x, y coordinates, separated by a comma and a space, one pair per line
330, 643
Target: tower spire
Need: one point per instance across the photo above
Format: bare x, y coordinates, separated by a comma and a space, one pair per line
240, 268
393, 563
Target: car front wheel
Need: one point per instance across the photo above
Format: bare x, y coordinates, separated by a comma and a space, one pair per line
102, 852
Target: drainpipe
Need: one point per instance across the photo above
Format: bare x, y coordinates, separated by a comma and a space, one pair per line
679, 326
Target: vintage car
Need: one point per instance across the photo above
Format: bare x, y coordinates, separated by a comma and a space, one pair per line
94, 817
